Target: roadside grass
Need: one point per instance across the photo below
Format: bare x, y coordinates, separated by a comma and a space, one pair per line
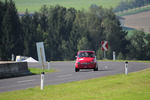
38, 70
35, 5
139, 61
134, 86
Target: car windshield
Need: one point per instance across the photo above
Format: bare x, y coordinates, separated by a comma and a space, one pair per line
85, 54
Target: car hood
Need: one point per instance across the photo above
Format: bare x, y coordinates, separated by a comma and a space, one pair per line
85, 59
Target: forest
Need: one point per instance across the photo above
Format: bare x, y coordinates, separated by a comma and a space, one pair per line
66, 31
131, 4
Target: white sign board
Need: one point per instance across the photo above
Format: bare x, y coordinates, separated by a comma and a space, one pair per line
41, 52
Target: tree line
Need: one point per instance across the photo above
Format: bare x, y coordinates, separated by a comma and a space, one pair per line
131, 4
66, 31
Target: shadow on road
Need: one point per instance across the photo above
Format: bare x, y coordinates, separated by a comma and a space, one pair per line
91, 70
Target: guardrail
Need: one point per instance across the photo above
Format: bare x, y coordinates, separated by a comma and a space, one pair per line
13, 69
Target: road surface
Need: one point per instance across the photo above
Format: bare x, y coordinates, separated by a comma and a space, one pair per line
66, 73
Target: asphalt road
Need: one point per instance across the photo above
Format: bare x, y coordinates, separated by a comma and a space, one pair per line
66, 73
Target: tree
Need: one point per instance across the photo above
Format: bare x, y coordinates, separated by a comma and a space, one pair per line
26, 25
139, 3
56, 31
94, 26
66, 45
43, 14
83, 44
123, 46
138, 45
112, 30
147, 2
79, 30
125, 5
1, 19
69, 19
37, 34
147, 50
121, 6
32, 33
12, 33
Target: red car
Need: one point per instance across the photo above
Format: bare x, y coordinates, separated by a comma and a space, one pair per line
86, 59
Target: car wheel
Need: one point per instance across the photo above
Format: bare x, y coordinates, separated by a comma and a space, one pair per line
76, 69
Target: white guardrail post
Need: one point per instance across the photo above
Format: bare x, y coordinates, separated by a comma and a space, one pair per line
126, 68
42, 80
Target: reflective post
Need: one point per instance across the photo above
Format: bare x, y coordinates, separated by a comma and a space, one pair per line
42, 80
104, 54
126, 68
49, 66
114, 55
12, 57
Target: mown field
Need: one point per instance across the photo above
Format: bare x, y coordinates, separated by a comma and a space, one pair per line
138, 21
134, 86
35, 5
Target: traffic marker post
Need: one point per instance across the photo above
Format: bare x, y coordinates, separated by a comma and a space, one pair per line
12, 57
114, 55
49, 66
42, 80
126, 68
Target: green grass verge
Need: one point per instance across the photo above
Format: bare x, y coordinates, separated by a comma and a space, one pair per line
38, 70
134, 86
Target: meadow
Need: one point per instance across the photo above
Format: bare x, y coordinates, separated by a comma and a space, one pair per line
38, 70
35, 5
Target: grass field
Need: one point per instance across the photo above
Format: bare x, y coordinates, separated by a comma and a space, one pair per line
138, 21
38, 70
134, 86
35, 5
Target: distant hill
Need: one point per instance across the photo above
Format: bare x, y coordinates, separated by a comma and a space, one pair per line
35, 5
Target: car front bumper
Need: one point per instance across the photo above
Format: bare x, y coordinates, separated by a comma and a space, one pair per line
85, 65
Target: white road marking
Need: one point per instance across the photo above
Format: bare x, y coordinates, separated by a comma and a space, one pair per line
24, 81
65, 75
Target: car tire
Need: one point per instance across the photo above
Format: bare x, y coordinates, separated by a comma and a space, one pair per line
76, 69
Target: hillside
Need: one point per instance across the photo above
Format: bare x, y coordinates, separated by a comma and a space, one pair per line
35, 5
139, 20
